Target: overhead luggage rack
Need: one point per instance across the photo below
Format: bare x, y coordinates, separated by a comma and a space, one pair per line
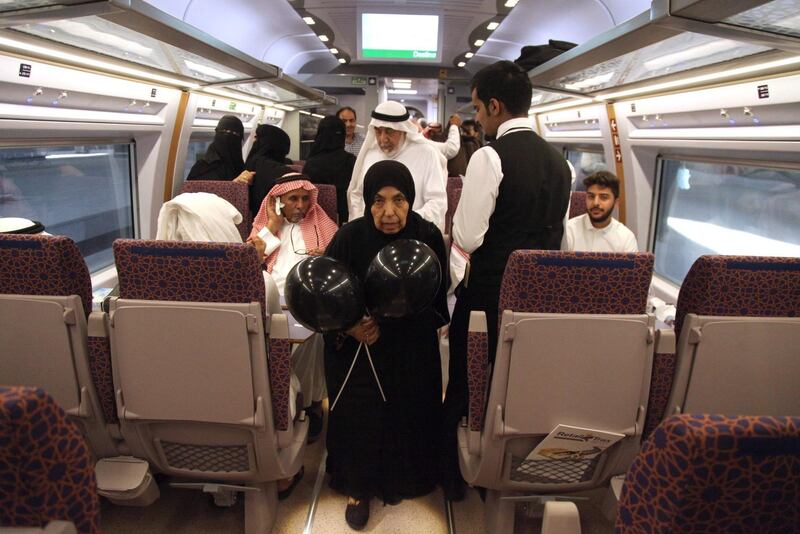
677, 43
134, 32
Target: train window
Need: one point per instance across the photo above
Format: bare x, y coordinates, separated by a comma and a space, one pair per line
198, 144
585, 162
82, 191
714, 207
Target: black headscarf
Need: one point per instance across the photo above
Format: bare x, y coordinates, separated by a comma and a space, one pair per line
330, 136
271, 143
223, 158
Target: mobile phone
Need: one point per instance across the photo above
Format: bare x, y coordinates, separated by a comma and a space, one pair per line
278, 205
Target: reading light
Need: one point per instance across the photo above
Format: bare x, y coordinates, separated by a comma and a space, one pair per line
492, 25
511, 3
468, 55
461, 64
479, 42
323, 38
723, 113
334, 50
309, 20
101, 65
342, 60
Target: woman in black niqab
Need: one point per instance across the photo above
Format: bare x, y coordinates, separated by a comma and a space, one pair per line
267, 158
329, 163
223, 157
376, 449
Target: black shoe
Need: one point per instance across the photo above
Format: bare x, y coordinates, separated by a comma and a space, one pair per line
283, 494
315, 423
357, 515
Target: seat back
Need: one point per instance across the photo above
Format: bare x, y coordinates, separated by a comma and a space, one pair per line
45, 299
44, 265
195, 389
46, 470
326, 198
574, 348
236, 193
738, 328
714, 473
577, 204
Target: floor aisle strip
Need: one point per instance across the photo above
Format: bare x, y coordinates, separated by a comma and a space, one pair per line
312, 508
448, 513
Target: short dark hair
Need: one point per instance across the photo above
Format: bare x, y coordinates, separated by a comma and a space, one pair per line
603, 179
506, 82
471, 123
346, 108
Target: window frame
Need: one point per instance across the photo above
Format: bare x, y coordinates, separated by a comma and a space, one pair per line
680, 157
133, 185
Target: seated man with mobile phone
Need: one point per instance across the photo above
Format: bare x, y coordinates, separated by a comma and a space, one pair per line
289, 227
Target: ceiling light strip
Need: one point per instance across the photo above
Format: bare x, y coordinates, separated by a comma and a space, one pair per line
710, 77
95, 63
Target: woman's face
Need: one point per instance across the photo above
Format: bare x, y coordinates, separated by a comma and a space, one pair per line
389, 210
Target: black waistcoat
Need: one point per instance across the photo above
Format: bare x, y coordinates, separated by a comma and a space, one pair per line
531, 203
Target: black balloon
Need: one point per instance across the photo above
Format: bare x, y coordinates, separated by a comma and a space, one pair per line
323, 296
402, 279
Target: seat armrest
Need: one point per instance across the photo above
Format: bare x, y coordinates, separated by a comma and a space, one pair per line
280, 370
665, 341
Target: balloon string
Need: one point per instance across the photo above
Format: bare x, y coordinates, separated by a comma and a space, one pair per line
377, 380
358, 350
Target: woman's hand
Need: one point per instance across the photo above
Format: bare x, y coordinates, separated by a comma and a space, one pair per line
246, 177
365, 331
257, 242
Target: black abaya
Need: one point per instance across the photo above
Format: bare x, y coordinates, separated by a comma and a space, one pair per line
375, 449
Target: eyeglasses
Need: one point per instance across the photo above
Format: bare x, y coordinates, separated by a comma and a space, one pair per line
302, 252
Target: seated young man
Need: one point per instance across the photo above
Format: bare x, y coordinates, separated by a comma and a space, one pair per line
597, 230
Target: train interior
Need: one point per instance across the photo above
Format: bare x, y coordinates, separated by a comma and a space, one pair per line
693, 104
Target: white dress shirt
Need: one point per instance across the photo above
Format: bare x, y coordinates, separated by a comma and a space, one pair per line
478, 198
580, 235
449, 148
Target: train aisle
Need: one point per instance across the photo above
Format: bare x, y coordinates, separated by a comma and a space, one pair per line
312, 508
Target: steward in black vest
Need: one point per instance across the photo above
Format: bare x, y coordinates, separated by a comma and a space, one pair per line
530, 206
530, 187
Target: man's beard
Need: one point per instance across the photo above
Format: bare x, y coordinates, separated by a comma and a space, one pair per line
602, 218
396, 150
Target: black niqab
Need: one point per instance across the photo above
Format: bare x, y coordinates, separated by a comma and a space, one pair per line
267, 158
223, 158
271, 143
330, 136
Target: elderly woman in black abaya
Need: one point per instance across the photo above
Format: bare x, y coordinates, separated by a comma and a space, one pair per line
386, 449
267, 158
223, 157
330, 163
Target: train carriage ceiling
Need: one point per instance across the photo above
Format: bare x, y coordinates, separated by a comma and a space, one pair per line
273, 31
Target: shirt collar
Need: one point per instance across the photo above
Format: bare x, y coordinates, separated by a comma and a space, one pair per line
587, 224
519, 122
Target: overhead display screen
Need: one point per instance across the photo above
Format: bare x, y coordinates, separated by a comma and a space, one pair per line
387, 36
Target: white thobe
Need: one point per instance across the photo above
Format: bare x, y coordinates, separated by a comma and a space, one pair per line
580, 235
